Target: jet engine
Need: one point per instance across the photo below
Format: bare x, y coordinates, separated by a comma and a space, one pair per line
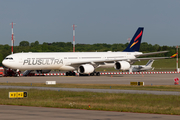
122, 65
43, 71
85, 69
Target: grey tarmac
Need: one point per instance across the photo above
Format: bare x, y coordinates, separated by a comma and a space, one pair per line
149, 79
8, 112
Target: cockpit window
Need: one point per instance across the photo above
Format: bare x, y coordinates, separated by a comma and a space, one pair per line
9, 58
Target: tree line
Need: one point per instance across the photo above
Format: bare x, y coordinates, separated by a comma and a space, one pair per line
25, 46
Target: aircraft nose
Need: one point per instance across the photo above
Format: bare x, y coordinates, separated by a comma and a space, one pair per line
10, 64
4, 62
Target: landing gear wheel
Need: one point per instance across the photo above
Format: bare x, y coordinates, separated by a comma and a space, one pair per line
91, 74
16, 74
98, 74
70, 73
67, 73
73, 74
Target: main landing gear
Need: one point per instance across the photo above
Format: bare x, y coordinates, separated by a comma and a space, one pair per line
95, 73
71, 73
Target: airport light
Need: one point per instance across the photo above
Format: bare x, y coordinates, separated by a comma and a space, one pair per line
12, 40
177, 69
74, 36
129, 39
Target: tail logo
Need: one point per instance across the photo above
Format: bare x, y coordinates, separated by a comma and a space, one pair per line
135, 40
134, 43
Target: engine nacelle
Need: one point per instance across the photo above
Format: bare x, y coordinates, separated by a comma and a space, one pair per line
122, 65
85, 69
43, 71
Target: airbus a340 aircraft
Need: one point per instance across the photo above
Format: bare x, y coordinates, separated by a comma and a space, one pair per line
81, 62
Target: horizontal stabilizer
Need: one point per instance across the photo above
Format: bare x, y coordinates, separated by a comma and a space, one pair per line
151, 53
149, 58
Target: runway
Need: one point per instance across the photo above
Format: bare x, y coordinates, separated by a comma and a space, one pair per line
40, 113
149, 79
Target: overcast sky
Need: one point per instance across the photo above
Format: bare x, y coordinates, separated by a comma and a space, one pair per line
98, 21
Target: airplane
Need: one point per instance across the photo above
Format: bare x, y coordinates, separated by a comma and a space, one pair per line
138, 68
148, 66
80, 62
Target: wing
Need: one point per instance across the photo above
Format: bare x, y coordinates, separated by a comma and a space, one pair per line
103, 62
131, 61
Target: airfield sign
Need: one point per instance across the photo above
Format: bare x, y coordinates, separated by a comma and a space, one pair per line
17, 94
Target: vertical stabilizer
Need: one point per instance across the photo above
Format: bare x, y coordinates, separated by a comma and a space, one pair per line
149, 63
135, 42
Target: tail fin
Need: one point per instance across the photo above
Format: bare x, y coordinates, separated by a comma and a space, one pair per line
134, 45
149, 63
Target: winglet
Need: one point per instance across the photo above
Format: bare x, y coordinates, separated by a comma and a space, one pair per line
134, 45
174, 55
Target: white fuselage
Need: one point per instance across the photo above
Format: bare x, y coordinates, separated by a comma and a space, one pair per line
63, 60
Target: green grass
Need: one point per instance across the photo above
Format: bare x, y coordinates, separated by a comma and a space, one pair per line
141, 103
166, 64
159, 65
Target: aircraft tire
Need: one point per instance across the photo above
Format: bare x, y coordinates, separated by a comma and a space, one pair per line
67, 73
15, 75
91, 74
73, 74
98, 74
70, 73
